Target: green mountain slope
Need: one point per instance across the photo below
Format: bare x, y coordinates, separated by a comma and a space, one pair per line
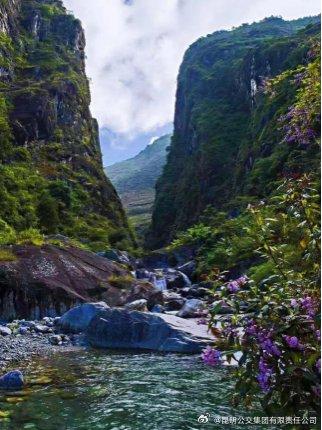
226, 150
135, 180
51, 174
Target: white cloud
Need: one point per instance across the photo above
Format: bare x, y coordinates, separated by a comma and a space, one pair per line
134, 49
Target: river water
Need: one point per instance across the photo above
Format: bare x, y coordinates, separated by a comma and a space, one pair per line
92, 390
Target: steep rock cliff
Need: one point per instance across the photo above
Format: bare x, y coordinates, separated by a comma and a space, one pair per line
51, 175
226, 148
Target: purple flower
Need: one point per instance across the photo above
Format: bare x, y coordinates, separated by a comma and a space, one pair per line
297, 126
298, 78
202, 321
317, 390
264, 376
251, 329
270, 347
294, 303
318, 334
293, 342
318, 365
242, 280
229, 331
233, 287
211, 356
308, 305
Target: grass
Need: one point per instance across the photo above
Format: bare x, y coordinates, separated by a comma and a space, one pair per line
125, 281
7, 255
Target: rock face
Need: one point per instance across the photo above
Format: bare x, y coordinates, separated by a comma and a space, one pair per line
118, 328
226, 142
47, 281
51, 163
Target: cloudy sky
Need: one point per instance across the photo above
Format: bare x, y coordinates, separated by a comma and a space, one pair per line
134, 49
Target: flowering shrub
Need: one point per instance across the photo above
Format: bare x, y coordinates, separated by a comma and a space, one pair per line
301, 124
278, 332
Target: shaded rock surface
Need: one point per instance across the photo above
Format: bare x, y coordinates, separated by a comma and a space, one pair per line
77, 319
47, 281
118, 328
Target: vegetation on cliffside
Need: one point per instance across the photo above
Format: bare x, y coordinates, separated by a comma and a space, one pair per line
258, 239
51, 175
227, 148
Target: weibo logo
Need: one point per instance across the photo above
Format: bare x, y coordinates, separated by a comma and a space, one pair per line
203, 419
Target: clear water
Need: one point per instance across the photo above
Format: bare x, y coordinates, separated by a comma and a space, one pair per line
89, 390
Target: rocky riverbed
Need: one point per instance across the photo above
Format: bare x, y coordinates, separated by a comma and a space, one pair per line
20, 341
162, 299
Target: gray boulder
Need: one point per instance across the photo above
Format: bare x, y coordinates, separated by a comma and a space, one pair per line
55, 339
138, 305
120, 328
191, 308
173, 301
5, 331
77, 319
40, 328
12, 380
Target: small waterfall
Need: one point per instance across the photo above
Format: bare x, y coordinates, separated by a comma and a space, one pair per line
158, 281
156, 278
186, 279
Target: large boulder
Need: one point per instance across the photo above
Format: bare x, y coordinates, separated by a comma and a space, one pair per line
192, 308
122, 329
49, 280
12, 380
77, 319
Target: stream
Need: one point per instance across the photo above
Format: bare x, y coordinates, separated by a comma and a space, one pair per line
102, 390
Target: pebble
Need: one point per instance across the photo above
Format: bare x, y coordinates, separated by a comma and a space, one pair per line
20, 340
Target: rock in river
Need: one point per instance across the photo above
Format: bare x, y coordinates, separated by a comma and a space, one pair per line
191, 308
120, 328
12, 380
77, 319
5, 331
